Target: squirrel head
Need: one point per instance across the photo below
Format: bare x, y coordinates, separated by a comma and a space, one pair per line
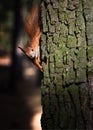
30, 52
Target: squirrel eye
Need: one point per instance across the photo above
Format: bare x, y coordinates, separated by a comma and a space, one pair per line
32, 50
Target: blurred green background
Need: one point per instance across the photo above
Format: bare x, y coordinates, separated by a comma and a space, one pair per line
7, 19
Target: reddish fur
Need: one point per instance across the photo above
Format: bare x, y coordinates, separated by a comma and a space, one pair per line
33, 26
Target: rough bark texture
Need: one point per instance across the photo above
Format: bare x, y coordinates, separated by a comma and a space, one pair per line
67, 44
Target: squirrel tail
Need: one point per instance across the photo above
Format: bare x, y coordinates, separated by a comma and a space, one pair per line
33, 22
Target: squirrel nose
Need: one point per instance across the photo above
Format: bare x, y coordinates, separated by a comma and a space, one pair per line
32, 56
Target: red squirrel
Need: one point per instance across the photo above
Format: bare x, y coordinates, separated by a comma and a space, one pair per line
33, 30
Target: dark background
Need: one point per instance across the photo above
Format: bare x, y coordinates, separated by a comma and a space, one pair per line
20, 103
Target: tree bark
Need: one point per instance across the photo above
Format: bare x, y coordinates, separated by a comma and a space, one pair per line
67, 44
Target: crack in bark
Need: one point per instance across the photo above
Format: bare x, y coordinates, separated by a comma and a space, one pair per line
75, 109
81, 110
83, 14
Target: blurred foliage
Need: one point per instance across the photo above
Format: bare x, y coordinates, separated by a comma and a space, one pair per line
7, 21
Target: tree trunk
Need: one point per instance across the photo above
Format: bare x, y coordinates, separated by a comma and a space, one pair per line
67, 44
